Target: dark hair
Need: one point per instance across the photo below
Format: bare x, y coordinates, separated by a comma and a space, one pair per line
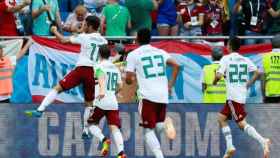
275, 41
144, 36
234, 43
104, 51
217, 53
93, 21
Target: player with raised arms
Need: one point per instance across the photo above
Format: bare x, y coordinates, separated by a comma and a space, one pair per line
83, 73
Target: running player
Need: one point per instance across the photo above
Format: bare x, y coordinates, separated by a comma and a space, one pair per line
107, 106
83, 72
149, 65
236, 68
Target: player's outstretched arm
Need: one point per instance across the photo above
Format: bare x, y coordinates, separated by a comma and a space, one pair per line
59, 36
175, 70
254, 78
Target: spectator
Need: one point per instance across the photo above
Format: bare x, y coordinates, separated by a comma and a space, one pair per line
140, 11
95, 6
271, 73
116, 18
192, 15
275, 18
213, 21
10, 24
45, 13
255, 14
25, 18
7, 65
224, 4
75, 20
167, 18
213, 93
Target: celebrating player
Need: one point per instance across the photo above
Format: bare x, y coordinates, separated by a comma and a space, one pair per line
83, 72
236, 68
149, 65
107, 106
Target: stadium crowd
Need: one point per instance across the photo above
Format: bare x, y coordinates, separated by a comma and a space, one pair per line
125, 17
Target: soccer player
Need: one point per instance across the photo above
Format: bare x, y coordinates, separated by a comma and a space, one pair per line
149, 64
83, 73
108, 105
236, 68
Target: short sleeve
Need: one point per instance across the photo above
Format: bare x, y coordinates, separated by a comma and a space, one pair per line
149, 5
8, 4
166, 56
131, 63
104, 12
128, 14
69, 20
77, 39
222, 66
251, 66
36, 5
57, 7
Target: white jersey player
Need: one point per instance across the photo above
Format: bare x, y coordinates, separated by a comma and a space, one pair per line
236, 69
107, 105
149, 64
83, 73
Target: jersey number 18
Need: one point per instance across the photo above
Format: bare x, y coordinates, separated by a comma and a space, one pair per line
112, 81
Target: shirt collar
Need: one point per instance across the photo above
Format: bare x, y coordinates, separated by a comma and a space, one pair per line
145, 45
95, 33
276, 50
216, 62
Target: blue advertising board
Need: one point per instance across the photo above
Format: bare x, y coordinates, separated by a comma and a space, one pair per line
58, 133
